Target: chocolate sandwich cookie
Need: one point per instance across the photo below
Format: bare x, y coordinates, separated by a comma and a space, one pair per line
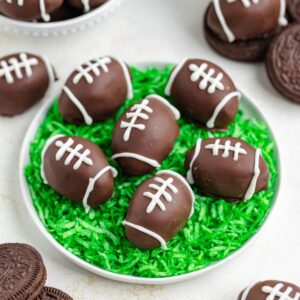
50, 293
22, 272
294, 10
283, 63
243, 30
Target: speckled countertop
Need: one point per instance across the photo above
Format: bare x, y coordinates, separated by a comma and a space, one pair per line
159, 30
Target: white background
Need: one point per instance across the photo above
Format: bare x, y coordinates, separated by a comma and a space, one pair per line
163, 30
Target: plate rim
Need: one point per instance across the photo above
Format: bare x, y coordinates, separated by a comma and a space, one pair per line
24, 155
58, 27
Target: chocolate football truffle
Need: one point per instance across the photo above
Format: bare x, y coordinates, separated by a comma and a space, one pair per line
243, 29
24, 80
86, 5
271, 290
144, 135
227, 168
203, 92
77, 169
95, 91
29, 10
65, 12
160, 207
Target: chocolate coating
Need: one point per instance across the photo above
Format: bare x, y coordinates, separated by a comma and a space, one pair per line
22, 272
245, 22
155, 141
283, 63
100, 94
166, 223
248, 51
19, 92
294, 10
199, 104
78, 4
65, 12
225, 177
264, 289
29, 11
73, 183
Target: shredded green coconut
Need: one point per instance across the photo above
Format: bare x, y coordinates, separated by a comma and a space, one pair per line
216, 229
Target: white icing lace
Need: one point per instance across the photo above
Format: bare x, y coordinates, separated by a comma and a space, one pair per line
17, 66
86, 5
226, 149
19, 2
161, 191
92, 68
207, 82
276, 293
73, 152
137, 111
246, 3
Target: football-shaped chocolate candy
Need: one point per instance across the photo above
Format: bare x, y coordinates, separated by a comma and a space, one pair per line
204, 93
86, 5
29, 10
77, 169
227, 168
65, 12
271, 290
245, 19
24, 80
95, 91
160, 207
144, 135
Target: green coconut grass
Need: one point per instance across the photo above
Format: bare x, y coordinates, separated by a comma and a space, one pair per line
217, 228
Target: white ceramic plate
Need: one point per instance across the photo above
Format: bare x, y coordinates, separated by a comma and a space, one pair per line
59, 28
251, 110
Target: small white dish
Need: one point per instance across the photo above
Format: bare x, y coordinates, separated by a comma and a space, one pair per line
251, 110
60, 28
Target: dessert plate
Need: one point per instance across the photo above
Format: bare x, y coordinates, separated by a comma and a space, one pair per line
59, 28
251, 110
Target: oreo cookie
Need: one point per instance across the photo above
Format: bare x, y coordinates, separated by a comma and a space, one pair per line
283, 63
294, 10
50, 293
22, 272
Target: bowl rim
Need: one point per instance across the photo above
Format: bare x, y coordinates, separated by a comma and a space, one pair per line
60, 24
24, 157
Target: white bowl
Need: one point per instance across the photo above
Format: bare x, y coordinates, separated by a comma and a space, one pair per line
61, 27
251, 110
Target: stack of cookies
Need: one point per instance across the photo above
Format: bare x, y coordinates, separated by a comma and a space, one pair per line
23, 275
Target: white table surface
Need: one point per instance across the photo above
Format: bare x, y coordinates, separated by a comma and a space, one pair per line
163, 30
